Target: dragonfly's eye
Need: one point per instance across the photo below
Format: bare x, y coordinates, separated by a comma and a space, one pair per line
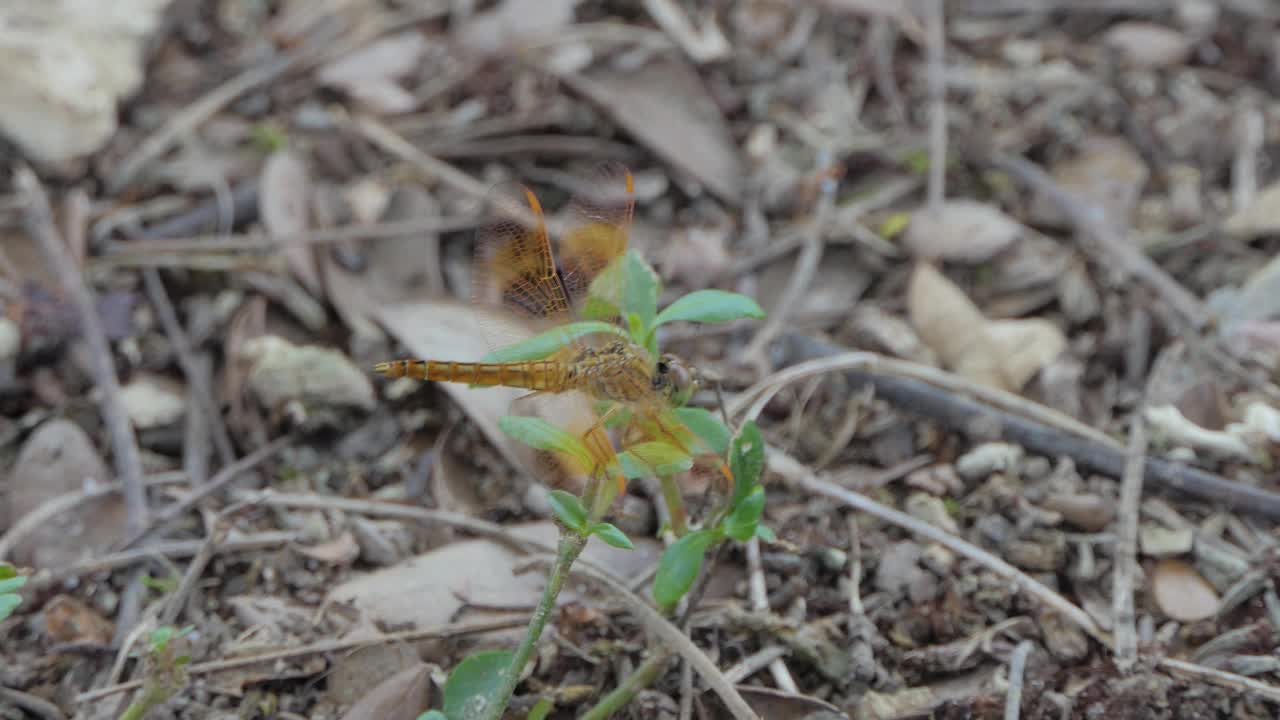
663, 368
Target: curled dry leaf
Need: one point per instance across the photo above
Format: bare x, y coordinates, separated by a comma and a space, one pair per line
962, 231
1181, 592
369, 74
69, 620
341, 550
1001, 353
284, 193
1170, 426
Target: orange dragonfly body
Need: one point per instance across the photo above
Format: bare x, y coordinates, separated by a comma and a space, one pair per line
516, 269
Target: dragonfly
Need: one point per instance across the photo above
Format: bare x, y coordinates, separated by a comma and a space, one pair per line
592, 355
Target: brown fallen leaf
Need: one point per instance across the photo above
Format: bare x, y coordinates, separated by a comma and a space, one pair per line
665, 105
1181, 592
284, 201
68, 620
1001, 353
514, 24
1107, 172
402, 696
961, 230
341, 550
370, 74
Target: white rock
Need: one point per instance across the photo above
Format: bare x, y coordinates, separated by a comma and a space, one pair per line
10, 338
64, 64
152, 401
987, 458
317, 377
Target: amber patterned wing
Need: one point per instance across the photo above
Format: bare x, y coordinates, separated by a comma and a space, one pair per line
599, 228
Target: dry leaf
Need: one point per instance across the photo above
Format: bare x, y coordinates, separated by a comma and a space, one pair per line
59, 458
1107, 172
341, 550
402, 696
68, 620
1181, 592
369, 74
1147, 45
284, 202
665, 105
514, 24
1261, 217
961, 230
431, 588
1001, 353
282, 372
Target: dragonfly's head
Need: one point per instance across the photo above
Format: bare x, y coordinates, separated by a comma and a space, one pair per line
675, 380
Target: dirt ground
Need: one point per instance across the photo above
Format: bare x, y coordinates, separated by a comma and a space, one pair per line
1018, 374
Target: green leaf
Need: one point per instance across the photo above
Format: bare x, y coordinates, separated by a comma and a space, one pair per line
707, 427
679, 567
710, 306
8, 571
472, 684
746, 461
599, 309
545, 344
631, 286
161, 636
765, 534
610, 533
12, 584
569, 509
541, 709
653, 458
433, 715
538, 433
9, 603
742, 522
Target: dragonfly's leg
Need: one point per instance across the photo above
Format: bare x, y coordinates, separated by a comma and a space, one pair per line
673, 437
597, 441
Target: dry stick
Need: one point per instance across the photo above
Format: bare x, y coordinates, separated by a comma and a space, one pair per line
904, 385
321, 648
935, 53
760, 601
1109, 247
124, 445
1125, 628
797, 474
175, 602
196, 380
46, 579
675, 639
33, 704
217, 482
1222, 678
264, 242
1017, 670
806, 266
1244, 167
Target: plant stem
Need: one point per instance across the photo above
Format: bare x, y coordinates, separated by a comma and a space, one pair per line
150, 697
674, 500
641, 678
570, 546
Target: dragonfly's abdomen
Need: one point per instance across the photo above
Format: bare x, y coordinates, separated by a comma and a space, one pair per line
543, 375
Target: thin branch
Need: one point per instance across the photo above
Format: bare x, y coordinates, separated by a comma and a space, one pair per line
1126, 633
1017, 670
760, 601
124, 444
935, 51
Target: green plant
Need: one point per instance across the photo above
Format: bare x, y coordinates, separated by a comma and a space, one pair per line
10, 583
627, 290
166, 670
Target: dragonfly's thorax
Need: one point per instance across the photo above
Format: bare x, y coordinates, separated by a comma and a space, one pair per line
619, 371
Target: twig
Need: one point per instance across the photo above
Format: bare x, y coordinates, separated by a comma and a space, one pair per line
176, 601
1017, 669
755, 662
33, 704
935, 53
217, 482
674, 638
794, 472
1030, 425
1244, 166
760, 601
1126, 633
262, 242
39, 224
1223, 678
806, 266
196, 380
1109, 248
181, 548
322, 648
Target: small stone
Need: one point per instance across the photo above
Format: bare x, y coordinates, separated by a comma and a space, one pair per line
1038, 556
314, 376
1160, 541
153, 401
1181, 592
988, 458
932, 510
899, 571
1088, 512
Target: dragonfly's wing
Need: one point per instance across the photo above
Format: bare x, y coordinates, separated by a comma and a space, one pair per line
514, 269
598, 231
573, 412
